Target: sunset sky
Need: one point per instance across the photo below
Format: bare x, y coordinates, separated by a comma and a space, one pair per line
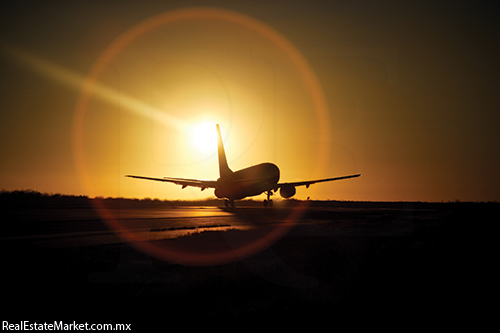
407, 93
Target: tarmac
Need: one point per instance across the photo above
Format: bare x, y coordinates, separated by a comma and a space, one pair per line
280, 266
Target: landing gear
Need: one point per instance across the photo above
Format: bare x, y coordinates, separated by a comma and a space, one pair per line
269, 201
229, 203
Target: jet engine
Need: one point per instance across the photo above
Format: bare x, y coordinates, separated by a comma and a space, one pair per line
287, 191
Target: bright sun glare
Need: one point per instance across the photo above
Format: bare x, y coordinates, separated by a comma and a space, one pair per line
204, 137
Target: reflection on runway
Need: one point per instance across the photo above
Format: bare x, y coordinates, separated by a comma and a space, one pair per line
216, 235
78, 227
187, 233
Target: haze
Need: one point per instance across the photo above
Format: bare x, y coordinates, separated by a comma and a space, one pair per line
410, 92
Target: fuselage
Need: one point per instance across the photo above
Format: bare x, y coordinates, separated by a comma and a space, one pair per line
248, 182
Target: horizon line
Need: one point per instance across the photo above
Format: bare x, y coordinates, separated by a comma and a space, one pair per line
45, 194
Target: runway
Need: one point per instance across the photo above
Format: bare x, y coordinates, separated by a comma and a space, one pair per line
253, 264
81, 227
77, 227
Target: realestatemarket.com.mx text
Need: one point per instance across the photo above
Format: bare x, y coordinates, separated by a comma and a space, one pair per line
60, 326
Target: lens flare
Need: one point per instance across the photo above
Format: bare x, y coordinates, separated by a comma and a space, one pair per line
231, 18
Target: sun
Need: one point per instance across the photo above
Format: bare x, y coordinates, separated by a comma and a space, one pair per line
204, 137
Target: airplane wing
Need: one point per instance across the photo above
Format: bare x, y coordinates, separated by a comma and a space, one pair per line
309, 182
203, 184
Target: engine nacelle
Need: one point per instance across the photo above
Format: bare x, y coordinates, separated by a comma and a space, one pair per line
287, 191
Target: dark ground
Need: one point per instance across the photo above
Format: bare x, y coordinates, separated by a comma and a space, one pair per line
370, 263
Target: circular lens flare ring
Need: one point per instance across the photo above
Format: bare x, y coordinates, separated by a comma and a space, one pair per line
112, 51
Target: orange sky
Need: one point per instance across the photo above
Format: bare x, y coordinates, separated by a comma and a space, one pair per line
409, 92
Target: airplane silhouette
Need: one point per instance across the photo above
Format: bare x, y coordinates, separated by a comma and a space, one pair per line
248, 182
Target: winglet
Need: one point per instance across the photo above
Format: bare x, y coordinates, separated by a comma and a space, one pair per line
224, 170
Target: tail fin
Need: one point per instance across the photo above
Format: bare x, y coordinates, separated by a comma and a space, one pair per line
224, 170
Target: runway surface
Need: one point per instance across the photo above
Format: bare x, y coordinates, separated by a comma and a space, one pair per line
70, 227
156, 263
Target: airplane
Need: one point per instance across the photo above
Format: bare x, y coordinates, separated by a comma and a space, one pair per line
248, 182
